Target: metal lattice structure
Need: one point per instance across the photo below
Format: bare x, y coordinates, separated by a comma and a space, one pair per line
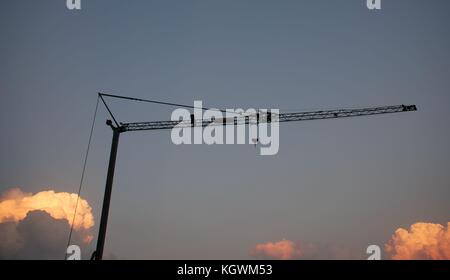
265, 117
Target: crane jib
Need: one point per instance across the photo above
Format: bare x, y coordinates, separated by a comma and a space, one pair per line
269, 117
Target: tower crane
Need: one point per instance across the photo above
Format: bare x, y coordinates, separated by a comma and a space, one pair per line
119, 128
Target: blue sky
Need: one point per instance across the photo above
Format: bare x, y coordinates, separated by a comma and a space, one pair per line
347, 182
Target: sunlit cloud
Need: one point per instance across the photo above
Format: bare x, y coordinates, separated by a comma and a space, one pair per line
37, 226
290, 250
15, 204
423, 241
280, 250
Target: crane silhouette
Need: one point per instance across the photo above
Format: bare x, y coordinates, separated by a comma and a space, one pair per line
267, 117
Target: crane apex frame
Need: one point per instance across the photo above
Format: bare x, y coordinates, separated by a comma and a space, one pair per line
119, 128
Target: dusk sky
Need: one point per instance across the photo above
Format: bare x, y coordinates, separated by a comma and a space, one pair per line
336, 186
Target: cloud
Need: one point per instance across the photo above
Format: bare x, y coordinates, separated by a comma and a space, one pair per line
15, 204
281, 250
37, 226
423, 241
289, 250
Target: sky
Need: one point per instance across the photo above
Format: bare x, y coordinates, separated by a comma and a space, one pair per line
340, 185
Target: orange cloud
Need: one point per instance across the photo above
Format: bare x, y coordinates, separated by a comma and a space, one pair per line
290, 250
281, 250
15, 204
422, 241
